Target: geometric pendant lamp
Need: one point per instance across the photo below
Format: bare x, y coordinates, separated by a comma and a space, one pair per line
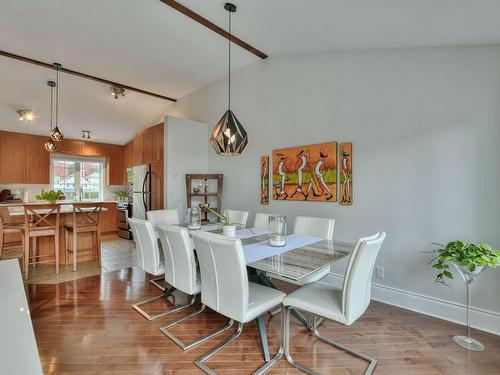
229, 138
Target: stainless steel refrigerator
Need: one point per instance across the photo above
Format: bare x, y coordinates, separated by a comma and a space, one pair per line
141, 191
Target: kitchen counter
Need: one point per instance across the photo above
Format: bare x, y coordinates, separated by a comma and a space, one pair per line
62, 203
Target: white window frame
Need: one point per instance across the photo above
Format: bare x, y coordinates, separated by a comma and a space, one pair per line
77, 160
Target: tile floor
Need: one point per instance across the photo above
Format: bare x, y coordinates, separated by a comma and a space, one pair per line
116, 254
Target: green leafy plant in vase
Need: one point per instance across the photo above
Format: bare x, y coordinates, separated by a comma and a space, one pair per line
122, 195
50, 196
470, 260
226, 226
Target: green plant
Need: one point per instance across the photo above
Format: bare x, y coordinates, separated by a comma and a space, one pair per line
122, 194
464, 254
224, 217
49, 196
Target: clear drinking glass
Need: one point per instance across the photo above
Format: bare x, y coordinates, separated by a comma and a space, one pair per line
276, 229
194, 218
468, 276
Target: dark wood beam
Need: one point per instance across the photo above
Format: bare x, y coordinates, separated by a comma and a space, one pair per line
196, 17
84, 75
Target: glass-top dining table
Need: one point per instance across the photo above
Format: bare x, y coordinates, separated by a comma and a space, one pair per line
301, 256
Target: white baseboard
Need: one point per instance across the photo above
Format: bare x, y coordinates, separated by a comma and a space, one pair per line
484, 320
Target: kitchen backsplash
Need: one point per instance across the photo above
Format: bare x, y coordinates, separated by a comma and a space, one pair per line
34, 189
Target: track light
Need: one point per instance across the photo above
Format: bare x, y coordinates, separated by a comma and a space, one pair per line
117, 91
26, 115
85, 134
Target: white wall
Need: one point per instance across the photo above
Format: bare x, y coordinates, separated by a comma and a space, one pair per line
425, 128
185, 151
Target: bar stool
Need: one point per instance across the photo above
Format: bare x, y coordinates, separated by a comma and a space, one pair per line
5, 252
36, 225
85, 220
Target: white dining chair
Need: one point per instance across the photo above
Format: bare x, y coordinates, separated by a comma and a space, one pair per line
344, 306
261, 220
168, 217
225, 288
148, 256
237, 217
314, 227
179, 252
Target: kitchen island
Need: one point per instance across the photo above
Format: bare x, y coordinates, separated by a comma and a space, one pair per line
107, 225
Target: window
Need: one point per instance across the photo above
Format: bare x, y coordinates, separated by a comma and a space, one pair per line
79, 179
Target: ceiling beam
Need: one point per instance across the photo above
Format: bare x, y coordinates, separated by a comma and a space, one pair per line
196, 17
84, 75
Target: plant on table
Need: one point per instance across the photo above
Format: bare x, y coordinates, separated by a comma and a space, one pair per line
50, 196
225, 220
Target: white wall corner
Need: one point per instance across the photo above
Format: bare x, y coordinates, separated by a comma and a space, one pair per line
481, 319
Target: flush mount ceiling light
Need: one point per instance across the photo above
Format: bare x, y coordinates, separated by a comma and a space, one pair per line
50, 146
117, 91
56, 135
26, 115
229, 138
85, 134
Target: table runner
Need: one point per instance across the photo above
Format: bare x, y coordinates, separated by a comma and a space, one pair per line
261, 250
250, 232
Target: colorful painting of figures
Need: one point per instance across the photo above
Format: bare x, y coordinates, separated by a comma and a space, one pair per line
345, 174
264, 179
306, 173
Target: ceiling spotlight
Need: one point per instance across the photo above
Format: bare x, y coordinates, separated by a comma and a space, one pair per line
85, 134
117, 91
26, 115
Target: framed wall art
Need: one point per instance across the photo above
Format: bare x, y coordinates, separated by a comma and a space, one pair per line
264, 180
345, 161
305, 173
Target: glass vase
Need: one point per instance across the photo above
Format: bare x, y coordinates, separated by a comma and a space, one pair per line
468, 276
276, 229
194, 218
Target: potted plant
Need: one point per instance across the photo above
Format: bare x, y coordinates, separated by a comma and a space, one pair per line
470, 260
122, 195
50, 196
228, 228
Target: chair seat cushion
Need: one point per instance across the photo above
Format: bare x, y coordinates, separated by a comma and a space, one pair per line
312, 277
320, 299
261, 299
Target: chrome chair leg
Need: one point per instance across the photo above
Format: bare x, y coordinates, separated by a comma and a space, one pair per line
162, 314
200, 362
155, 283
368, 371
186, 346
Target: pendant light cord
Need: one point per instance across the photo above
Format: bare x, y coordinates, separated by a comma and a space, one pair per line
51, 105
229, 90
57, 96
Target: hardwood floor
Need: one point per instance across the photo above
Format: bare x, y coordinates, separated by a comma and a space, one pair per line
88, 327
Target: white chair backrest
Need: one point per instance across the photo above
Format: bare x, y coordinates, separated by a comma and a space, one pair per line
314, 227
261, 220
356, 294
238, 217
224, 278
146, 244
168, 217
138, 248
180, 264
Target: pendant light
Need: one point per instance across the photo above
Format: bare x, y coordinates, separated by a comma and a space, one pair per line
50, 146
229, 138
56, 135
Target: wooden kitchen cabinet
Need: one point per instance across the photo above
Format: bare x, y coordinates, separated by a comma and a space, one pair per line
138, 149
70, 146
37, 161
108, 219
158, 143
93, 149
157, 186
115, 168
128, 155
147, 147
12, 158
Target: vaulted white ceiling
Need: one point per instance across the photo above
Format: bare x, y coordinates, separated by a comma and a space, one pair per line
149, 45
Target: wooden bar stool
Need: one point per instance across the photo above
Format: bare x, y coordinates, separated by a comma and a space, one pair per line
85, 220
11, 250
36, 224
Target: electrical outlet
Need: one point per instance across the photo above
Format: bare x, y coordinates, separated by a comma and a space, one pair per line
379, 272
